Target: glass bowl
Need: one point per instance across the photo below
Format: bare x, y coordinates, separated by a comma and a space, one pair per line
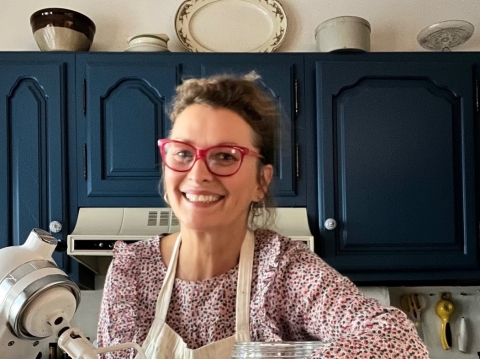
270, 350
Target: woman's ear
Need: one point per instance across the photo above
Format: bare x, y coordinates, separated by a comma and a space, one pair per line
266, 176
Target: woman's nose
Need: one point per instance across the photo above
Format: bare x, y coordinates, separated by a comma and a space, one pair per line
200, 172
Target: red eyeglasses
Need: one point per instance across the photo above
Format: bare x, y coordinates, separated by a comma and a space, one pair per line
221, 160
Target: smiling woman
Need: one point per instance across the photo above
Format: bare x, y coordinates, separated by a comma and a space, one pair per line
220, 281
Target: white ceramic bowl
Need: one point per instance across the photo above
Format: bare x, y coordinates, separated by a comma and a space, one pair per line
150, 39
145, 47
343, 33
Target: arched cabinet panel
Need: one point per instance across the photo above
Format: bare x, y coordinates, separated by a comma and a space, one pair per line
34, 112
123, 114
396, 162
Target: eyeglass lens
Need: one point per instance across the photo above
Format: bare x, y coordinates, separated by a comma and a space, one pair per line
222, 160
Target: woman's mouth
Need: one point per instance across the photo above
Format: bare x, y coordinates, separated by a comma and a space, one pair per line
202, 198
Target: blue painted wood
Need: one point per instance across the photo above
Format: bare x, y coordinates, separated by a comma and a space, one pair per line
33, 150
125, 115
396, 165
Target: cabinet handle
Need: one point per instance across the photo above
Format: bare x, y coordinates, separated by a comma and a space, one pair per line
84, 96
297, 156
296, 97
330, 224
85, 162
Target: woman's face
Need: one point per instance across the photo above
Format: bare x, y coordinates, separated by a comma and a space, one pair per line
200, 199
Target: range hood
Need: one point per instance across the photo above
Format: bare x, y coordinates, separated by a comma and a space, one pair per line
97, 229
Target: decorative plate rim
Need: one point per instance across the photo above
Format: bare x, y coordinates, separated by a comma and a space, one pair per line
425, 33
189, 7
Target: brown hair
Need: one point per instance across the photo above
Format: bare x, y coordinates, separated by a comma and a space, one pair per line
250, 99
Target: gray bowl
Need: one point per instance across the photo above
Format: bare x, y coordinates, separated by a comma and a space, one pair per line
57, 29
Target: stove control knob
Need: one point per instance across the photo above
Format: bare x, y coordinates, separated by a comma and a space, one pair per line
55, 227
330, 224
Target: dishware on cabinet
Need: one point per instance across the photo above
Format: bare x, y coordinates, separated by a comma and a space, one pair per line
153, 39
231, 25
148, 42
444, 310
343, 33
444, 35
58, 29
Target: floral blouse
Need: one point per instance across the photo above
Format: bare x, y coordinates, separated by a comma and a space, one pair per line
295, 296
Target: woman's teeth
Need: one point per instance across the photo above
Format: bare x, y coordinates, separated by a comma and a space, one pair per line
201, 197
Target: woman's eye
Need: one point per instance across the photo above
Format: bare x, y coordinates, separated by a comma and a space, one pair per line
224, 158
184, 155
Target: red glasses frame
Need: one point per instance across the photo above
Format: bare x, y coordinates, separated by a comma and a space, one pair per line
201, 153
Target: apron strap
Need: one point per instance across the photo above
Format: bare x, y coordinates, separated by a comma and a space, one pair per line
163, 299
244, 288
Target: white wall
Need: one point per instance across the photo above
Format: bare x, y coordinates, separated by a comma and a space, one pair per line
395, 23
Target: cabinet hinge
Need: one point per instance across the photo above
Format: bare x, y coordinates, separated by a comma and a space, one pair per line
84, 96
84, 161
297, 157
296, 97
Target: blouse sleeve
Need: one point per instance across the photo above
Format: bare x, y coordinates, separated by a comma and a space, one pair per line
326, 306
117, 312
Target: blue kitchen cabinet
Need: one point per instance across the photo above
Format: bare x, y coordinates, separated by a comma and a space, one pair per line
122, 103
36, 102
395, 151
122, 110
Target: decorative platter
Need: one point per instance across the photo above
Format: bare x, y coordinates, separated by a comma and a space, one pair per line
444, 35
231, 25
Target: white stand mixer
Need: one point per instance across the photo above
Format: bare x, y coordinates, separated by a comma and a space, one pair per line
38, 300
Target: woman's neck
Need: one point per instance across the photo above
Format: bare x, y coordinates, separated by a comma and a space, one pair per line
205, 255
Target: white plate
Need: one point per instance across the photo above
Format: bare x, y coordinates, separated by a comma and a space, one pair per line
231, 25
444, 35
146, 48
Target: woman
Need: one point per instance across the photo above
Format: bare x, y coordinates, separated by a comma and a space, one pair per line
195, 293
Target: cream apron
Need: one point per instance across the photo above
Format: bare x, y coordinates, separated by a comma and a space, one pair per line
163, 343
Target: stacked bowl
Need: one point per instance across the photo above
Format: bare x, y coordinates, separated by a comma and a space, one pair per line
148, 42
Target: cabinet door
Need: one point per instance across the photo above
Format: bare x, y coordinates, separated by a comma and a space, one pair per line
281, 74
121, 101
33, 114
396, 163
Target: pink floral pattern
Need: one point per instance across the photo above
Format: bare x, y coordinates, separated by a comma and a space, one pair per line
295, 296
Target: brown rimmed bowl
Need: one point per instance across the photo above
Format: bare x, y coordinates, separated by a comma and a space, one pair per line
58, 29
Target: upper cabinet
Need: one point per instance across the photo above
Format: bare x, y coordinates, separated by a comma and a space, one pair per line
36, 103
122, 105
121, 112
396, 188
